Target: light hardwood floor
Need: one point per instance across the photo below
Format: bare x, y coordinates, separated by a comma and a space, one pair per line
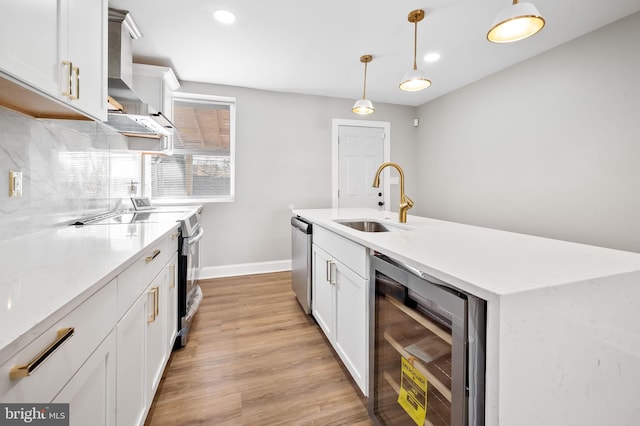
255, 358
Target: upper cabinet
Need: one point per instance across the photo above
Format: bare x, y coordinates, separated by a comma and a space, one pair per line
155, 86
53, 58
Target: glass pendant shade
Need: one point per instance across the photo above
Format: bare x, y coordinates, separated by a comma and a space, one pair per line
516, 22
363, 107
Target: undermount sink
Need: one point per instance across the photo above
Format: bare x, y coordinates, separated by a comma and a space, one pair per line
367, 225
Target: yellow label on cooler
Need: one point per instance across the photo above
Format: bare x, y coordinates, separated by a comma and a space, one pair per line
413, 393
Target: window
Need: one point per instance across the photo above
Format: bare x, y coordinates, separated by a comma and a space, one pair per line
202, 166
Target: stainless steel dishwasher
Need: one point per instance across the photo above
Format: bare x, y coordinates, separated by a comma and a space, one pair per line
301, 261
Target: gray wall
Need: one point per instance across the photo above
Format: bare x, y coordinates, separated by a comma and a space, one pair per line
283, 158
548, 147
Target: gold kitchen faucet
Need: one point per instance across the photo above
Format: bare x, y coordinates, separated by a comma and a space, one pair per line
405, 202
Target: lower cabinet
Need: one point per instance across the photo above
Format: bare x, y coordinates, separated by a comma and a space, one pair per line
156, 321
323, 291
143, 346
341, 300
132, 330
106, 357
82, 339
91, 392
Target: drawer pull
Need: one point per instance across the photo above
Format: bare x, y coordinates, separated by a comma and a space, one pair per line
174, 236
20, 371
155, 254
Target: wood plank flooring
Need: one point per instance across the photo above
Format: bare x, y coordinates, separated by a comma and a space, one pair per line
255, 358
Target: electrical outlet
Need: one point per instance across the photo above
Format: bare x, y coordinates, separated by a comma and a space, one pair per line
15, 184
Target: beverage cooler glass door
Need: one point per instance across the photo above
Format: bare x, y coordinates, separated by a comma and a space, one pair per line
427, 363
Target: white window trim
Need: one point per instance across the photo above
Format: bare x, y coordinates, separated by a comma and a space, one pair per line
231, 101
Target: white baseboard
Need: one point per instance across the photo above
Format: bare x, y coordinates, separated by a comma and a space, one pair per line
244, 269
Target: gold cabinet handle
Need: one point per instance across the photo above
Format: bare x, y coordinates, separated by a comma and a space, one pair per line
174, 236
173, 276
155, 254
69, 78
76, 71
156, 305
154, 313
21, 371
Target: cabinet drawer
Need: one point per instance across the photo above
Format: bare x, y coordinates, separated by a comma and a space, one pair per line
351, 254
137, 277
91, 322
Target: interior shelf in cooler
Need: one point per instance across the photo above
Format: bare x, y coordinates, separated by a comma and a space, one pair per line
426, 323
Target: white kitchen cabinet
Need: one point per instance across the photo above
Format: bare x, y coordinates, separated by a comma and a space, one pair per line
91, 392
156, 338
85, 46
131, 385
155, 86
323, 293
37, 375
58, 49
142, 352
341, 300
143, 336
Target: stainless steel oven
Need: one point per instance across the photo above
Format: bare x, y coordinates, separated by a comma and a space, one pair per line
427, 349
189, 292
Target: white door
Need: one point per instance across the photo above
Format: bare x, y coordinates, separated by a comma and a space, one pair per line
360, 153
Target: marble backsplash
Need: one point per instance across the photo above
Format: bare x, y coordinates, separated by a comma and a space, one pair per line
70, 169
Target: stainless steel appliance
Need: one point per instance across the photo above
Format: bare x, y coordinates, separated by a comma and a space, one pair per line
427, 349
301, 262
191, 232
189, 292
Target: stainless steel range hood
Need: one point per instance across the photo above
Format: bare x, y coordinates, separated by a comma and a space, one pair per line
128, 114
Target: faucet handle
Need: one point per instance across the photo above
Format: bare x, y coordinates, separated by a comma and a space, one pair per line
408, 201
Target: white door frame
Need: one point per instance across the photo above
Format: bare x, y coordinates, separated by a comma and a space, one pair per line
335, 123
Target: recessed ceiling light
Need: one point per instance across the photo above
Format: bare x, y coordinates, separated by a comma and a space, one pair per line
224, 16
432, 57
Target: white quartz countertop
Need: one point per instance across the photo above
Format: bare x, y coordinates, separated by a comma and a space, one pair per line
47, 274
486, 262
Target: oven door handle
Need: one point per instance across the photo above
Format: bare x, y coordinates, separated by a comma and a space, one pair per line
192, 240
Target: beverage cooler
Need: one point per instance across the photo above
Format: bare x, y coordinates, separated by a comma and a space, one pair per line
427, 349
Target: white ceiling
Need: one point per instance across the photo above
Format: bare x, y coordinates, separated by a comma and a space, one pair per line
299, 46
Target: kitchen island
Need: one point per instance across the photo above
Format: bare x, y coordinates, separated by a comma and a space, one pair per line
563, 329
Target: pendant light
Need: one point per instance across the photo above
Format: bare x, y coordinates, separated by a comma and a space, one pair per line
415, 79
515, 22
364, 106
